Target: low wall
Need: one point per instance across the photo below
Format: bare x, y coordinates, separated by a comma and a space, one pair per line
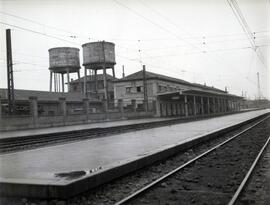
8, 123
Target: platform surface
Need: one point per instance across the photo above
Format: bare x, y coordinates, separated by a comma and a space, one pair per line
39, 166
21, 133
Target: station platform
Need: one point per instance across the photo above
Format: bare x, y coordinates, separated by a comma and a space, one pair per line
38, 131
64, 170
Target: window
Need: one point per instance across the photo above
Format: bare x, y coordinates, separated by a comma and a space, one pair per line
128, 89
139, 89
100, 85
159, 88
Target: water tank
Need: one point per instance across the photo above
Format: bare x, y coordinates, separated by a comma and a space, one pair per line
63, 58
96, 54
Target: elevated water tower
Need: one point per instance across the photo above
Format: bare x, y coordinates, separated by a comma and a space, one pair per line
63, 60
98, 56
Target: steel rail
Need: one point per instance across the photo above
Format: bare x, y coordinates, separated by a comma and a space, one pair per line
152, 184
243, 183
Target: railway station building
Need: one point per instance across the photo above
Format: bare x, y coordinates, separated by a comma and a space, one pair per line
94, 86
49, 103
173, 97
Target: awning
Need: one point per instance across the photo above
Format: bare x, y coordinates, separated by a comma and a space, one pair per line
176, 94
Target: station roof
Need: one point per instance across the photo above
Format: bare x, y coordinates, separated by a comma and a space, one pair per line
195, 92
42, 95
149, 75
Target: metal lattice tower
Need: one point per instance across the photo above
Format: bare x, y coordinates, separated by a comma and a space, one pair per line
10, 80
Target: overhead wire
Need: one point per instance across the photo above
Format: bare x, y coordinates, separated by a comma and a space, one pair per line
72, 36
168, 31
45, 34
243, 23
37, 32
74, 42
77, 35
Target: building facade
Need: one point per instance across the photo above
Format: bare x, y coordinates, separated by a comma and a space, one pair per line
49, 103
94, 88
173, 97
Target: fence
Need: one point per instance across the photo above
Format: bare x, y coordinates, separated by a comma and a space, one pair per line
70, 113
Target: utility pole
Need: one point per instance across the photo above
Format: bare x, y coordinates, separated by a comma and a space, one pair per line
259, 87
145, 89
10, 80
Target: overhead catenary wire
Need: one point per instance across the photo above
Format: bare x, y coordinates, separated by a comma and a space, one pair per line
43, 34
76, 35
243, 23
162, 28
125, 57
37, 32
47, 35
50, 35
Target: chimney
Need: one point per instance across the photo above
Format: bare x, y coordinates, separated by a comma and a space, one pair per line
123, 71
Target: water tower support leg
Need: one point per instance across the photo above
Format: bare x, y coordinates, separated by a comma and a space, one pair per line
68, 80
50, 81
63, 83
54, 82
79, 78
84, 81
58, 82
95, 81
113, 72
105, 84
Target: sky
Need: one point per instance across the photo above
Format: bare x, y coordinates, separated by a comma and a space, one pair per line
194, 40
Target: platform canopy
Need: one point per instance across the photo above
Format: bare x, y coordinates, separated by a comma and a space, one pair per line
174, 95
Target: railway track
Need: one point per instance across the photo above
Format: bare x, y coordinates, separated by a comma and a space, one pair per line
35, 141
217, 176
121, 188
258, 183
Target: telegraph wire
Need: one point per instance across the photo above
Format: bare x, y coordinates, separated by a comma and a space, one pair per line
72, 34
243, 23
206, 51
154, 23
47, 35
25, 54
168, 31
166, 18
35, 22
54, 36
75, 35
37, 32
245, 27
241, 20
